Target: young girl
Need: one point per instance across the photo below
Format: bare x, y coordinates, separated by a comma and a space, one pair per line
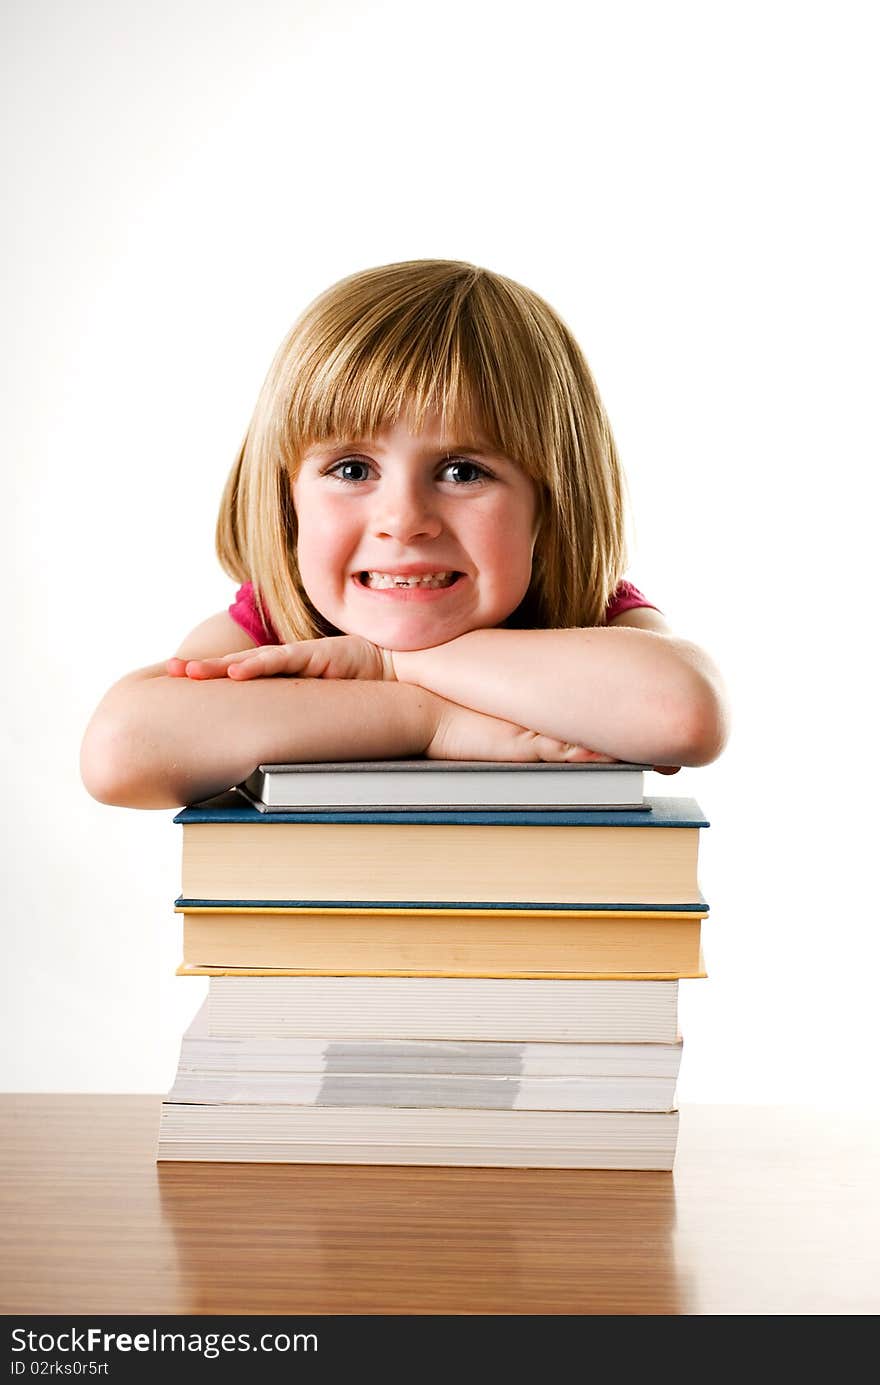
426, 521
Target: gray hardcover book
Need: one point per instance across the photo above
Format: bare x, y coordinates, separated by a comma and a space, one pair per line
444, 784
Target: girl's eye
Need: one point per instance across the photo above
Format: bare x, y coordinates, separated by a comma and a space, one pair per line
464, 473
351, 469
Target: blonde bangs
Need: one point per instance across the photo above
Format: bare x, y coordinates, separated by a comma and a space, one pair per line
364, 365
494, 362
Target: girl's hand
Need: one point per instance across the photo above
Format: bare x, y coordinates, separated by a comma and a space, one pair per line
338, 656
461, 734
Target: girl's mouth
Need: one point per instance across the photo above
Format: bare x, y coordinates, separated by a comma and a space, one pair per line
393, 581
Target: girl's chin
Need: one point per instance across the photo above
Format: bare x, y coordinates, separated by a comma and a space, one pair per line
403, 644
403, 636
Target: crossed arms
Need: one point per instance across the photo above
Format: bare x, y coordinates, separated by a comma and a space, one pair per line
180, 731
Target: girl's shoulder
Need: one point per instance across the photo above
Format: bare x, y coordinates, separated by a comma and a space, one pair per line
245, 613
626, 598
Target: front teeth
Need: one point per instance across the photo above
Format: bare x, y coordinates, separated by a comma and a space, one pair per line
389, 579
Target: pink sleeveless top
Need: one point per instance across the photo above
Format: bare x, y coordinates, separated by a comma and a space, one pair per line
244, 610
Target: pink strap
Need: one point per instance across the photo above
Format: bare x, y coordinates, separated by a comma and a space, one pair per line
626, 598
244, 612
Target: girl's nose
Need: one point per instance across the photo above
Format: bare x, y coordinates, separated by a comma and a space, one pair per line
406, 512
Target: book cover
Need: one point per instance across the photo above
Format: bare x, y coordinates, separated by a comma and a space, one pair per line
194, 969
233, 807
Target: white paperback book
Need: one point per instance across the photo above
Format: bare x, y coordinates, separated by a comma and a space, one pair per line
448, 1008
432, 1136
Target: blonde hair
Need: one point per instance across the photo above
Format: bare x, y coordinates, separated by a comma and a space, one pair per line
403, 340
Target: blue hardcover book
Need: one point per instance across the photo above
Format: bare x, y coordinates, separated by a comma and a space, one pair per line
235, 857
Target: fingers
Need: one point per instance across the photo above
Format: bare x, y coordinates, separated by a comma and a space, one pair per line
335, 657
266, 663
202, 668
571, 754
462, 734
247, 663
581, 754
548, 749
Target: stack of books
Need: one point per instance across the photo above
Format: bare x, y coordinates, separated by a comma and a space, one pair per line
432, 963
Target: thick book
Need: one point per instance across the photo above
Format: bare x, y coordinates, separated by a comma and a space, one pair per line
483, 1075
418, 1136
449, 1008
483, 784
235, 856
466, 942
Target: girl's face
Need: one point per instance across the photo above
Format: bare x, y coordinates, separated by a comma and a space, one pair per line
410, 539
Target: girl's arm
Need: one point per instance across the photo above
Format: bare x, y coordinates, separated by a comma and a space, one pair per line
631, 690
159, 742
628, 691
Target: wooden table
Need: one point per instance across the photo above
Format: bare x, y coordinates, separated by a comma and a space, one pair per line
769, 1211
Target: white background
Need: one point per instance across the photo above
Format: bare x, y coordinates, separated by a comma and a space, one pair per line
692, 186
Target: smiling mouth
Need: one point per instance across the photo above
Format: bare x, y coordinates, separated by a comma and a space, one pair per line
430, 581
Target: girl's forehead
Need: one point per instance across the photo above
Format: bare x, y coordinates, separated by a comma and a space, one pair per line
432, 430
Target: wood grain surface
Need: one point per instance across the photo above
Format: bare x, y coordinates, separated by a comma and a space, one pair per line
769, 1211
